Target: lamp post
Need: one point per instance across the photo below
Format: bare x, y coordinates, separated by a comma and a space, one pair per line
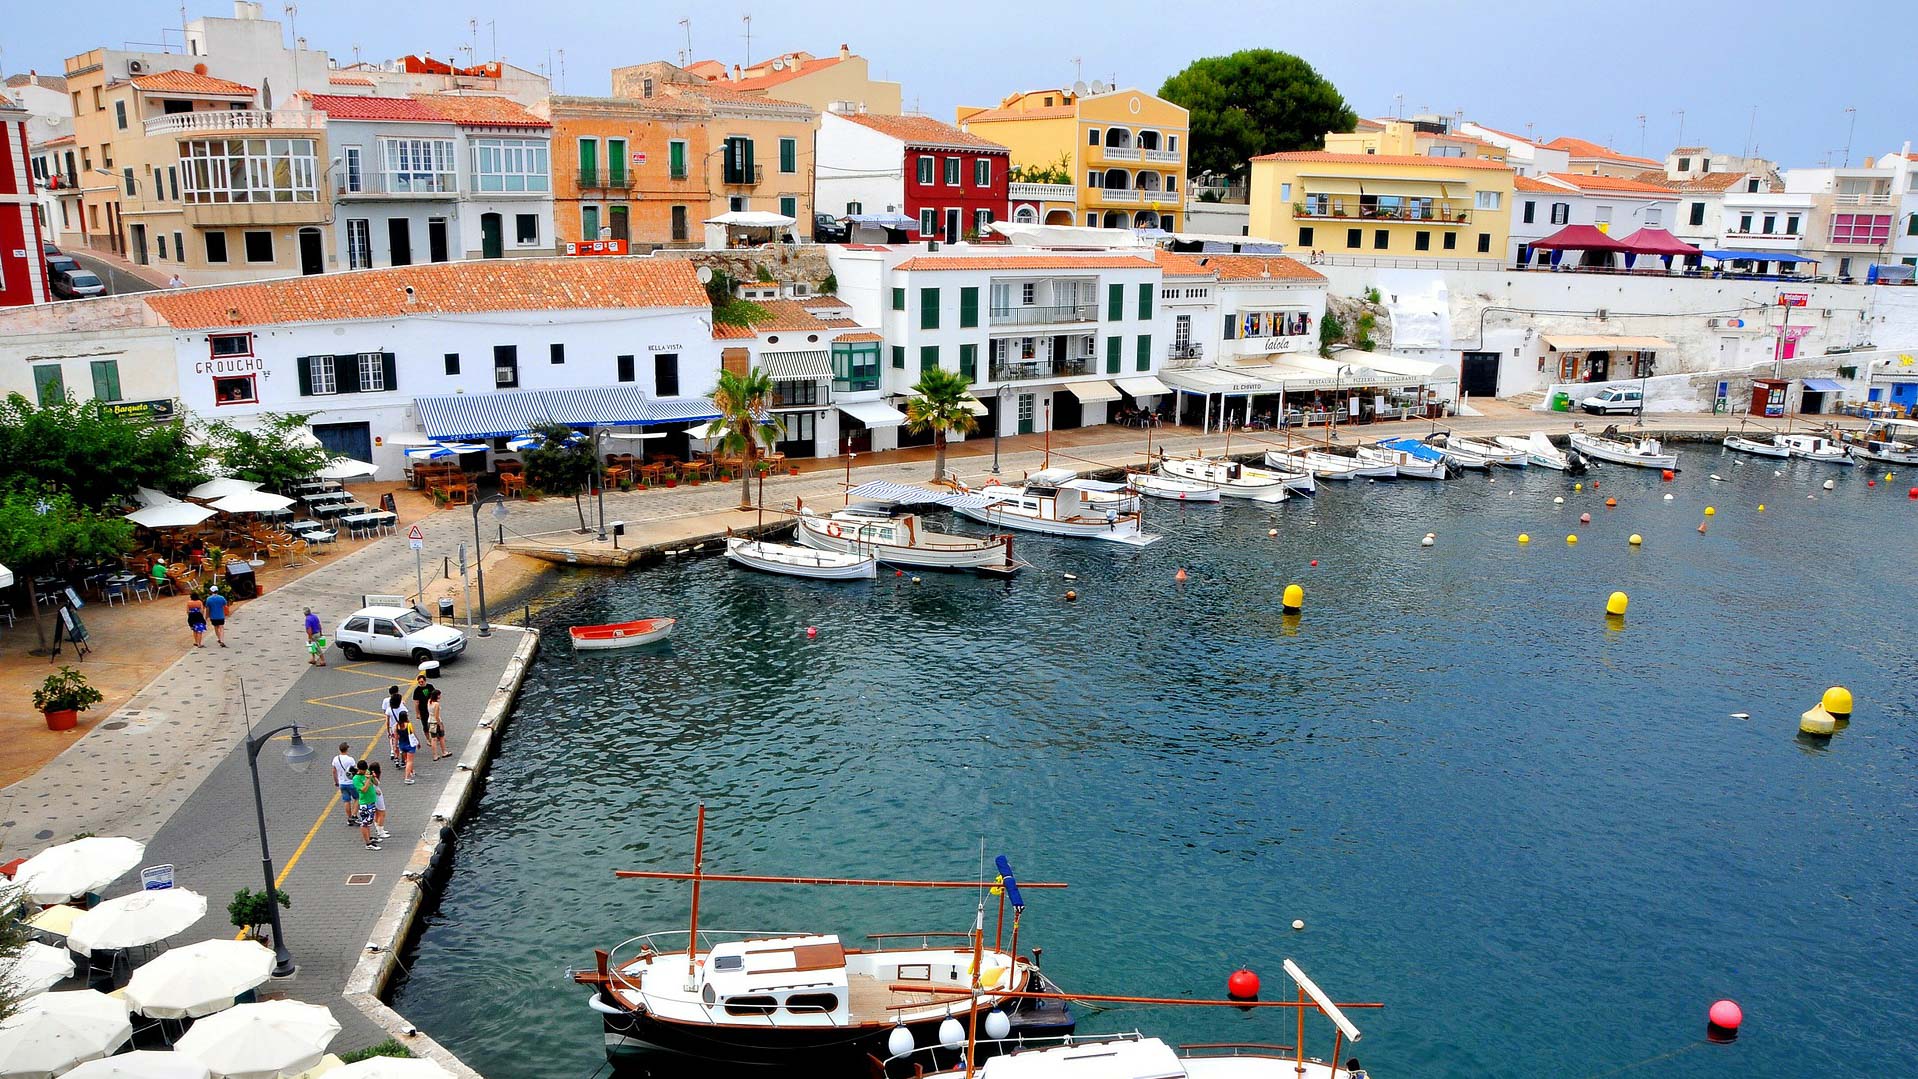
298, 756
599, 488
479, 553
998, 421
1338, 394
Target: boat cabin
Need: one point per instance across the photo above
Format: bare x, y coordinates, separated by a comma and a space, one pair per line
778, 977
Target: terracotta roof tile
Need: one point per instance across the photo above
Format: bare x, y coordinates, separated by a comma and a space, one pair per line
1040, 112
1179, 264
1248, 267
724, 331
922, 131
187, 82
1616, 184
840, 322
352, 107
1530, 183
864, 335
480, 110
791, 70
1707, 184
348, 80
1024, 262
717, 93
1405, 160
61, 141
1584, 148
56, 83
439, 288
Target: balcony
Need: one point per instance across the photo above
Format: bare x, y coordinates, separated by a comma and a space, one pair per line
1167, 157
1043, 316
1863, 200
185, 123
1120, 153
1042, 192
743, 177
220, 215
1133, 195
1035, 370
605, 179
1441, 214
382, 185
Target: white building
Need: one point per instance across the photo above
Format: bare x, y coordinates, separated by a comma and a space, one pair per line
50, 148
1855, 213
821, 361
437, 178
1617, 207
1527, 157
410, 75
1904, 233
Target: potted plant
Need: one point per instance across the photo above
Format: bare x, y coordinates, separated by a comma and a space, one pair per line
63, 696
792, 470
249, 911
1298, 209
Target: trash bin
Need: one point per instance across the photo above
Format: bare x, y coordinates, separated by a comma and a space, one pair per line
446, 608
1561, 402
430, 668
240, 582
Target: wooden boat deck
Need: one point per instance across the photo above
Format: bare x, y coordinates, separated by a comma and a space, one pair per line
871, 1001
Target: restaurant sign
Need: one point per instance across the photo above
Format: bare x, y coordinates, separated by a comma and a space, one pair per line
596, 247
160, 411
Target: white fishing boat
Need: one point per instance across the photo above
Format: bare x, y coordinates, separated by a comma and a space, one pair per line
1299, 481
1458, 456
1489, 452
1889, 442
1233, 479
1815, 448
1046, 503
1539, 450
1637, 452
621, 634
1410, 458
1327, 466
1768, 447
1102, 495
793, 560
1171, 488
899, 537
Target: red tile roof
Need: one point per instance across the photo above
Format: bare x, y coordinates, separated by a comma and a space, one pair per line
1529, 183
1699, 185
1036, 112
1616, 184
1583, 148
61, 141
351, 107
56, 83
725, 331
349, 80
792, 69
189, 83
1406, 160
480, 110
864, 335
780, 315
1024, 262
921, 131
479, 285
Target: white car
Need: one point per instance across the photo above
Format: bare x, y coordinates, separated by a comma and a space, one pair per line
1605, 402
397, 631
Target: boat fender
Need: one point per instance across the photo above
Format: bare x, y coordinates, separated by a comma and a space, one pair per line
992, 482
600, 1006
833, 530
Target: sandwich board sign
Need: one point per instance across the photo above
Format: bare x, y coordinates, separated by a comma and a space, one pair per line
156, 878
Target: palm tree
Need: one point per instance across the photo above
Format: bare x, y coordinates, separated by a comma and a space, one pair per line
745, 421
940, 408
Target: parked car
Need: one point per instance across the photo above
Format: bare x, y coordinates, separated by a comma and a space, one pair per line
827, 229
59, 264
48, 249
397, 631
77, 285
1606, 402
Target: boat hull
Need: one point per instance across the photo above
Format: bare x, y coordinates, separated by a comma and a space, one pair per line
621, 635
1172, 490
779, 558
1887, 457
1272, 489
816, 532
635, 1037
1120, 530
1544, 455
1754, 447
1404, 465
1619, 453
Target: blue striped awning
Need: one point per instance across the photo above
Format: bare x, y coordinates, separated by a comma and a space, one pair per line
515, 412
599, 406
482, 415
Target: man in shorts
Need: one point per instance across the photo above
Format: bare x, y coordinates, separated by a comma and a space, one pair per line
344, 768
369, 800
315, 640
216, 614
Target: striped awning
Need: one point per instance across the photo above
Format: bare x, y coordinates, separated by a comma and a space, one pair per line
515, 412
482, 415
1142, 385
785, 366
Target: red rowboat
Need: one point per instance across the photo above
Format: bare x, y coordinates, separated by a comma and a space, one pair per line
622, 634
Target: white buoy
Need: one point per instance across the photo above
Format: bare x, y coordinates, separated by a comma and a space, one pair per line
998, 1025
1428, 540
1741, 715
1831, 485
1668, 498
899, 1042
1298, 923
1718, 477
1777, 473
1070, 576
1559, 501
951, 1034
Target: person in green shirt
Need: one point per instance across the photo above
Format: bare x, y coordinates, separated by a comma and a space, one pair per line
367, 790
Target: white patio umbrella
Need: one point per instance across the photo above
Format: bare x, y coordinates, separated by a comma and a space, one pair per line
59, 873
170, 515
346, 468
220, 488
128, 921
54, 1031
250, 502
199, 979
440, 450
37, 969
261, 1041
141, 1064
147, 496
6, 577
391, 1068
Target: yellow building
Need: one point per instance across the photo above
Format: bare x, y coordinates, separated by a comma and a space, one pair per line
1125, 150
1411, 138
1383, 204
841, 81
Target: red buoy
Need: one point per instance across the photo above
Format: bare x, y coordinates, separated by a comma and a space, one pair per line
1668, 475
1913, 493
1871, 483
1722, 1022
1315, 561
812, 631
1242, 985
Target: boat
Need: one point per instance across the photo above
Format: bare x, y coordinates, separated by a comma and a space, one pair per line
793, 560
1171, 488
1233, 479
1458, 456
806, 1000
1761, 448
1409, 457
1299, 481
1886, 441
1046, 502
622, 634
898, 537
1815, 448
1637, 452
1327, 466
1540, 451
1102, 495
1490, 453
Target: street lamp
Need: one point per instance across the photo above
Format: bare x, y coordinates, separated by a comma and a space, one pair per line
479, 554
298, 756
998, 421
1338, 393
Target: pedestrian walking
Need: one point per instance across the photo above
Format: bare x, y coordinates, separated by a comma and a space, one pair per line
409, 743
344, 769
379, 806
315, 640
435, 726
216, 614
175, 282
196, 621
367, 796
395, 711
422, 691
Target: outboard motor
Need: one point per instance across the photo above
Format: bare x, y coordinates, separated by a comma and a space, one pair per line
1574, 463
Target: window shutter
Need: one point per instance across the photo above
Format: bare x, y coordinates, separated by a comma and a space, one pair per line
749, 159
390, 366
346, 374
306, 376
1231, 327
1145, 301
1115, 302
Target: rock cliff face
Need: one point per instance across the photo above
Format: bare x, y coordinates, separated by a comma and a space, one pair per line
787, 265
1360, 318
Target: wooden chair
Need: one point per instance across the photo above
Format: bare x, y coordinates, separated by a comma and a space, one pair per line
512, 484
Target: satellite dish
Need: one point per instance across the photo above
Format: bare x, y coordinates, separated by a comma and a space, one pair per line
705, 275
1098, 87
779, 64
1079, 88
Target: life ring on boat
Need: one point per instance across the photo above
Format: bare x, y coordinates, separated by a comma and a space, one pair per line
833, 529
991, 482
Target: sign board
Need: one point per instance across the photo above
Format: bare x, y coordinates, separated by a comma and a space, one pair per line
150, 411
595, 247
156, 878
416, 539
1793, 299
639, 157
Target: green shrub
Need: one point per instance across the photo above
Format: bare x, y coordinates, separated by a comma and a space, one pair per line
388, 1048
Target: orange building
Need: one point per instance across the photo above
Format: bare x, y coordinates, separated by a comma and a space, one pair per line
630, 169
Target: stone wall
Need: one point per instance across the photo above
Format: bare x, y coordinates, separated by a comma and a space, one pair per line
786, 263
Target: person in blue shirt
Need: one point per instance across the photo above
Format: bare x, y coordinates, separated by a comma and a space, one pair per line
216, 614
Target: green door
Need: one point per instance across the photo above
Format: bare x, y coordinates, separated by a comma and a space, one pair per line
1025, 413
589, 163
492, 242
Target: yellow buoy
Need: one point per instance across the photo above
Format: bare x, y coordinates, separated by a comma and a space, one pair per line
1572, 540
1616, 603
1523, 538
1817, 722
1887, 477
1837, 701
1294, 600
1761, 507
1578, 487
1710, 512
1636, 539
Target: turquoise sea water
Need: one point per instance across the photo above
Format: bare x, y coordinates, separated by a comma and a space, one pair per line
1545, 844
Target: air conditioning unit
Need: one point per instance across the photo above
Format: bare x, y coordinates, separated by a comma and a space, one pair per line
1826, 312
1711, 324
135, 67
800, 288
504, 375
1602, 313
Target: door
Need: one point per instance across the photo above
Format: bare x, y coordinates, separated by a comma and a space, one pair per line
399, 241
436, 237
856, 436
1061, 351
353, 440
1066, 411
1598, 367
139, 243
952, 226
492, 236
616, 217
312, 255
1026, 407
1478, 374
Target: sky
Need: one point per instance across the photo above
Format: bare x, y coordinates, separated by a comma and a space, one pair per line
1774, 76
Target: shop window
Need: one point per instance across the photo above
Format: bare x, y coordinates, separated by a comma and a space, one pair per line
230, 344
236, 390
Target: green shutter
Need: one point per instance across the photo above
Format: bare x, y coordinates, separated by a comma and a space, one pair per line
1112, 354
304, 365
1115, 302
788, 155
928, 308
969, 362
1145, 352
616, 162
789, 206
676, 159
928, 358
899, 357
749, 163
106, 380
969, 306
1231, 326
898, 299
588, 159
1145, 301
589, 222
389, 365
48, 385
346, 373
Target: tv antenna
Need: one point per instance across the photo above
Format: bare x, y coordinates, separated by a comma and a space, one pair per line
1850, 127
748, 20
1681, 126
1641, 134
686, 54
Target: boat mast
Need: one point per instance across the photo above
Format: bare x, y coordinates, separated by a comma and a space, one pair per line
699, 862
978, 978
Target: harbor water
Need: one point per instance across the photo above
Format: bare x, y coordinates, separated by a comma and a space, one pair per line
1546, 843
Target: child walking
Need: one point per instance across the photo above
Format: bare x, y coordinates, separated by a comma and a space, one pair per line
379, 806
368, 793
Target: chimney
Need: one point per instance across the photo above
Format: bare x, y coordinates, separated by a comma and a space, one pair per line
844, 52
33, 79
735, 72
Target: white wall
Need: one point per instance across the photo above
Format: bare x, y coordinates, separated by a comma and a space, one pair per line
857, 164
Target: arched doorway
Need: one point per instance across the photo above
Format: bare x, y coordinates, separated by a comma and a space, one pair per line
1025, 215
1114, 219
1145, 219
1058, 217
1116, 180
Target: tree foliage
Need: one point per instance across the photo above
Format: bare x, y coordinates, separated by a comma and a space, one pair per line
728, 308
1054, 172
562, 464
745, 420
276, 453
1255, 101
40, 530
82, 448
941, 409
13, 940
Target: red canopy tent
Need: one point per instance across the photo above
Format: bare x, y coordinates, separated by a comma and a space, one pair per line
1652, 241
1578, 238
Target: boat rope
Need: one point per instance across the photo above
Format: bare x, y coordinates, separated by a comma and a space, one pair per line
1622, 1068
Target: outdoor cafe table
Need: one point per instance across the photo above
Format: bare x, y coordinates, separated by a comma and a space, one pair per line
324, 497
316, 486
297, 527
364, 520
338, 510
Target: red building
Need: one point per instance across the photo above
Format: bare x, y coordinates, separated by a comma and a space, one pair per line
946, 183
23, 275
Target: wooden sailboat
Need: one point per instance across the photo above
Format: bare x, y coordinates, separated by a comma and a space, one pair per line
806, 998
